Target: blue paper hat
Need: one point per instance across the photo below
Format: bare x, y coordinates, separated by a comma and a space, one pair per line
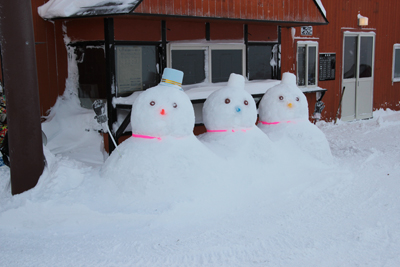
172, 77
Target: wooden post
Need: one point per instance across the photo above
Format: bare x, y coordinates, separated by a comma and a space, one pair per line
22, 94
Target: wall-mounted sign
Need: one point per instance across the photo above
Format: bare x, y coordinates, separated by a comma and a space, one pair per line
306, 30
327, 66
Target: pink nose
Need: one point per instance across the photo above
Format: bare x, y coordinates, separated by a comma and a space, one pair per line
162, 112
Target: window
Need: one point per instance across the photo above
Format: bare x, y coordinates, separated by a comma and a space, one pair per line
307, 63
207, 62
136, 68
192, 63
263, 61
396, 63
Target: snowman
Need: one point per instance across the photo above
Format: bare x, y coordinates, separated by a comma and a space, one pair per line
283, 116
230, 115
162, 160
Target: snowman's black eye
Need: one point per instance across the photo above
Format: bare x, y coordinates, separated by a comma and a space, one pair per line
246, 102
227, 101
280, 97
174, 105
152, 103
297, 98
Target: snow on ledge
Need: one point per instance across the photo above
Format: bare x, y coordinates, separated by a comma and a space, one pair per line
203, 90
69, 8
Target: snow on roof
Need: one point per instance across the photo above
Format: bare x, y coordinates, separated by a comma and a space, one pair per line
73, 8
321, 6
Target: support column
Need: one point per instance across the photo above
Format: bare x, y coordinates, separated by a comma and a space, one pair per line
22, 94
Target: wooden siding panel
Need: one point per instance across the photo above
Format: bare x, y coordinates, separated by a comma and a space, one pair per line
231, 8
188, 30
178, 6
224, 9
226, 31
128, 29
275, 10
76, 32
262, 33
183, 5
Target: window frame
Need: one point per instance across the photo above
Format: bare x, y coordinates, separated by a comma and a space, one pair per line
307, 44
395, 47
208, 48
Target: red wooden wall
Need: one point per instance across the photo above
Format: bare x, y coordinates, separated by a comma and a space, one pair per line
269, 10
342, 16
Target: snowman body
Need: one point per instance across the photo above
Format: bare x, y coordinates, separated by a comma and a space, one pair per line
230, 114
161, 161
283, 116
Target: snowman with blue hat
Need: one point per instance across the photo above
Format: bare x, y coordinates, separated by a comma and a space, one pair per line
162, 153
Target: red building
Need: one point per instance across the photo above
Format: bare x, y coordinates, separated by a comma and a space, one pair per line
120, 50
367, 58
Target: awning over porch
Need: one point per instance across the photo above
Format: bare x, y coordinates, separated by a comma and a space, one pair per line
290, 12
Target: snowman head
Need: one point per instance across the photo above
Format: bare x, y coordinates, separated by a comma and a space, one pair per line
163, 110
230, 107
284, 102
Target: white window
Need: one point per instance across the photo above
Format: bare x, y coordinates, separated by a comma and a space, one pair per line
207, 62
396, 63
307, 71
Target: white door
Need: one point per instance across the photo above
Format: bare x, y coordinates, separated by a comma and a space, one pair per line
358, 75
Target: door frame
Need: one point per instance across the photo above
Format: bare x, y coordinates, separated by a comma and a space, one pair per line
354, 94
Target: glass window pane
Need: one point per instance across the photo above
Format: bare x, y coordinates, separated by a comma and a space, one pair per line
191, 62
366, 47
397, 63
301, 65
225, 62
149, 67
136, 68
350, 57
312, 64
259, 58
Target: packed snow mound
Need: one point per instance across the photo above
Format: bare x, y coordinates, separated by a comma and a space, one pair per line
283, 116
73, 130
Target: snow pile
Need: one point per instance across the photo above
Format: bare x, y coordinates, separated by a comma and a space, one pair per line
174, 203
73, 131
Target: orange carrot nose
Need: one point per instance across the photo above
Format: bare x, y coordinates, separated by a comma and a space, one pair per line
290, 105
162, 112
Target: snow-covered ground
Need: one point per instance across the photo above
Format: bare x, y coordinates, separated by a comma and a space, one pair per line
292, 213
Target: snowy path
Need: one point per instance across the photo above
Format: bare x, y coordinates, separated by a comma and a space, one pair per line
346, 215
